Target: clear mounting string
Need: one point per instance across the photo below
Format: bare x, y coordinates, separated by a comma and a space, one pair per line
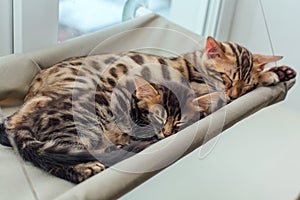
267, 27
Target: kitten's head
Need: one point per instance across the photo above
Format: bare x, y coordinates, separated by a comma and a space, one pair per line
238, 67
161, 110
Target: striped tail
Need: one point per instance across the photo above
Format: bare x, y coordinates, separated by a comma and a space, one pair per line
3, 136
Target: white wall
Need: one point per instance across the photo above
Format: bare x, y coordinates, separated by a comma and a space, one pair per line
283, 17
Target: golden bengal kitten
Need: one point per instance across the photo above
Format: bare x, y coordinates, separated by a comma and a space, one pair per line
85, 114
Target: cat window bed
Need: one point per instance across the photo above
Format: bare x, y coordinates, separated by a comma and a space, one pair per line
150, 33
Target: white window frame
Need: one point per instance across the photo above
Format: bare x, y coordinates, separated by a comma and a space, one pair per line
205, 21
225, 19
28, 25
35, 24
190, 15
6, 22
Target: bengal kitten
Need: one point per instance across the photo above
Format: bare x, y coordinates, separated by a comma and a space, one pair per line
75, 138
84, 114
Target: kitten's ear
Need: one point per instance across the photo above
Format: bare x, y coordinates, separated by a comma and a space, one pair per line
213, 48
143, 88
262, 60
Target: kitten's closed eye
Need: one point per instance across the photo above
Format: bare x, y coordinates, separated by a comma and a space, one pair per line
179, 123
183, 122
159, 113
248, 88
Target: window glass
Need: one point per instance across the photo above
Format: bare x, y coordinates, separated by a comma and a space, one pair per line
78, 17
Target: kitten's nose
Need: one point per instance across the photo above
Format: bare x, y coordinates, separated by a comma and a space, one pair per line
232, 97
166, 131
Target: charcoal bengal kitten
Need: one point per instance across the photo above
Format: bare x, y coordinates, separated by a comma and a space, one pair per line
85, 114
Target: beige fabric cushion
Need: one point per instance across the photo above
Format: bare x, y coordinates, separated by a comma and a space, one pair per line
152, 34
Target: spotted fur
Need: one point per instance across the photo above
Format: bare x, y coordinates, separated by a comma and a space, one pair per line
85, 114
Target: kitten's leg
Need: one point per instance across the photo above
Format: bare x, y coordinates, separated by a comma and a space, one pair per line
79, 172
210, 102
275, 75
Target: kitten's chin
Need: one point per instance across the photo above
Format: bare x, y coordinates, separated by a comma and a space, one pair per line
160, 136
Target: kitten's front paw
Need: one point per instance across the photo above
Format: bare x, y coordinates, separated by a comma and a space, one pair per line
284, 73
86, 170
